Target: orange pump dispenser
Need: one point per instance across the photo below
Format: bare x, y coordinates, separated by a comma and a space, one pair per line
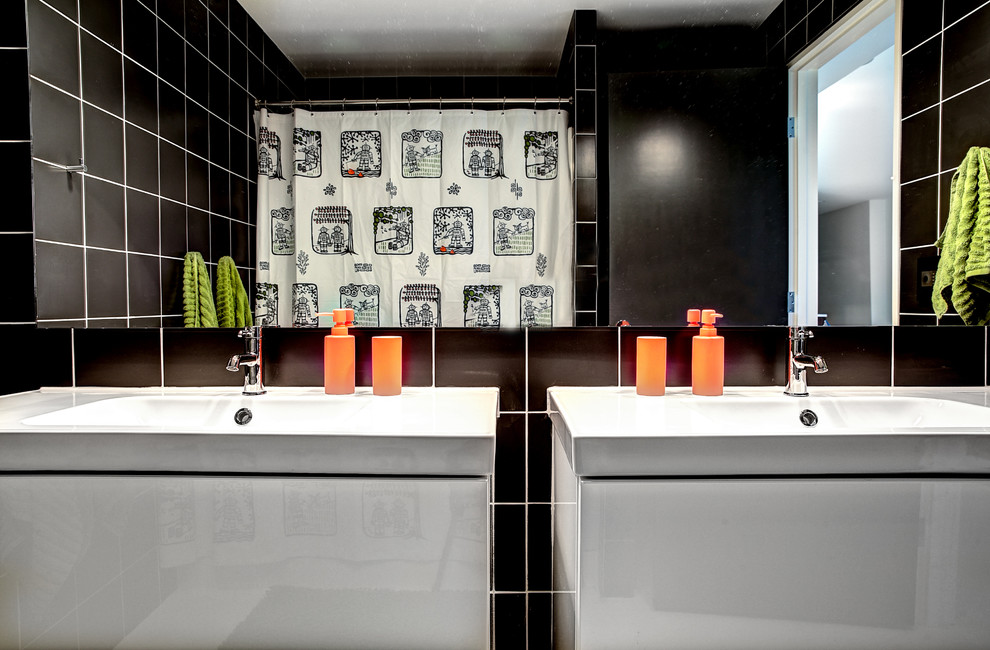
338, 358
694, 318
707, 357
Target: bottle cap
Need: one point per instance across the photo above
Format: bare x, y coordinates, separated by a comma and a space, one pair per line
693, 317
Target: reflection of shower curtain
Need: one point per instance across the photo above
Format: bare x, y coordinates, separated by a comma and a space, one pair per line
415, 218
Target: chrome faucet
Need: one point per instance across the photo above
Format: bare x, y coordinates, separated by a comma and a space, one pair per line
798, 362
250, 361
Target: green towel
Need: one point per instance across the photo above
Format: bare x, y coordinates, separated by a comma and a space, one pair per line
963, 274
233, 306
197, 297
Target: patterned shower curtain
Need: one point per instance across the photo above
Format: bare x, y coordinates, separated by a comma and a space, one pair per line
415, 218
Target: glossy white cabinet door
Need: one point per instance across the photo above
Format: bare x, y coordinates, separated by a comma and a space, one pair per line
180, 562
886, 564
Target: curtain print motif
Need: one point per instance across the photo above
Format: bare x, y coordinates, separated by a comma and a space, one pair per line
536, 306
266, 303
307, 153
483, 154
269, 154
310, 508
419, 305
332, 230
422, 154
233, 511
305, 305
393, 228
361, 154
540, 150
453, 231
390, 509
176, 512
512, 231
364, 300
482, 305
283, 235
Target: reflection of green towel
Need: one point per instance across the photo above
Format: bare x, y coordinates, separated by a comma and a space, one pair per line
233, 307
964, 266
197, 296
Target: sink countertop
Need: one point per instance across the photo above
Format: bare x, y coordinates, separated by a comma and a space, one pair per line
423, 431
756, 431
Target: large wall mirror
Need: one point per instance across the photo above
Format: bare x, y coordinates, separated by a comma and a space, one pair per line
693, 201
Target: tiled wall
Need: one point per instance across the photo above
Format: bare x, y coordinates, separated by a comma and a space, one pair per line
946, 91
158, 103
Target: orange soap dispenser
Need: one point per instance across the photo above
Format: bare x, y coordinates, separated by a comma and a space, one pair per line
707, 357
338, 358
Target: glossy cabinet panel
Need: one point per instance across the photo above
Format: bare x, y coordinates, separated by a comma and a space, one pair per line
234, 562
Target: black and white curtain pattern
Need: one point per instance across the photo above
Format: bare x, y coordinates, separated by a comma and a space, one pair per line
415, 218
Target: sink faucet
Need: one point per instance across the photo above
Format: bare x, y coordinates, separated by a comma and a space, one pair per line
250, 361
798, 362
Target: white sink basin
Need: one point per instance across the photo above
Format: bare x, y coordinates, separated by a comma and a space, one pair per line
614, 432
433, 431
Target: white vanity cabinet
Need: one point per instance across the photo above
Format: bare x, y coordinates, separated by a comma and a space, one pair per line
758, 560
237, 552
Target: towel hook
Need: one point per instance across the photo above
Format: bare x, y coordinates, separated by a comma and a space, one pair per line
342, 100
409, 107
441, 104
376, 106
80, 168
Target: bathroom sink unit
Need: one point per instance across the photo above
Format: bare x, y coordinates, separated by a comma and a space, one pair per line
175, 519
851, 519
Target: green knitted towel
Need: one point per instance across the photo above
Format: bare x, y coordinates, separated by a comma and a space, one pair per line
197, 298
963, 274
233, 306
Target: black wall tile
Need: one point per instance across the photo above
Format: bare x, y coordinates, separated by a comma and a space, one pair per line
106, 283
102, 77
60, 274
539, 549
939, 356
104, 214
141, 159
469, 357
142, 222
856, 356
50, 107
794, 12
920, 74
539, 449
57, 205
23, 372
922, 19
417, 354
103, 19
198, 357
570, 357
18, 303
916, 298
919, 145
57, 61
509, 612
171, 114
919, 213
16, 123
510, 459
118, 357
956, 9
140, 34
539, 620
509, 549
171, 56
13, 29
172, 163
172, 229
15, 169
965, 124
966, 56
141, 89
103, 135
144, 288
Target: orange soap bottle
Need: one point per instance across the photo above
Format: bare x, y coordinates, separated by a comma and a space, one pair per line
338, 358
707, 357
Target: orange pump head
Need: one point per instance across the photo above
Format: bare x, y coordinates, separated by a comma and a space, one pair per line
708, 317
694, 317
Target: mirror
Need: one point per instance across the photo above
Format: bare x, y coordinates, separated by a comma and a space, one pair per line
198, 168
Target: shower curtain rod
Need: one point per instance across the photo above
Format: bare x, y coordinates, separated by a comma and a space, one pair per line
258, 103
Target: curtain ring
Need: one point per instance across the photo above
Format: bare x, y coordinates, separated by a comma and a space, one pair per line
472, 106
409, 107
534, 106
441, 104
376, 106
558, 104
342, 100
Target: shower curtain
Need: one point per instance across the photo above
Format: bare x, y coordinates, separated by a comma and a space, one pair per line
415, 218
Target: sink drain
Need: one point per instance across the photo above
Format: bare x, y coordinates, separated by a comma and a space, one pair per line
808, 418
243, 416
